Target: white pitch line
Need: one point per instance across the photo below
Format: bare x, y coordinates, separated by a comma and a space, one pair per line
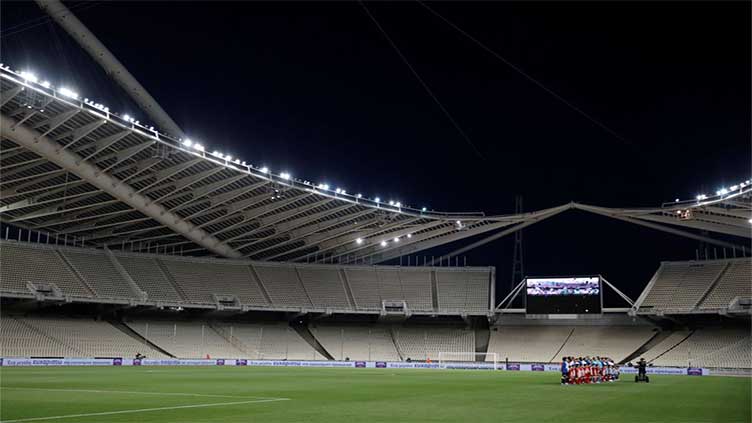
142, 410
102, 391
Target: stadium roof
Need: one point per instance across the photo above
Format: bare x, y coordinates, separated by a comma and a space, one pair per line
72, 168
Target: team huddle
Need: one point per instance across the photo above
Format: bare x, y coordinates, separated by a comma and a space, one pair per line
580, 370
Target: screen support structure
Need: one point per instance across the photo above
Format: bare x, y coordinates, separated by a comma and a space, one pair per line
619, 293
509, 299
507, 302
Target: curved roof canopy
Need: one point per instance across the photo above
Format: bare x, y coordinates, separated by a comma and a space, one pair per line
72, 168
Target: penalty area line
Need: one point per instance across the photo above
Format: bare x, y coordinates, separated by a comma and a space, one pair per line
143, 410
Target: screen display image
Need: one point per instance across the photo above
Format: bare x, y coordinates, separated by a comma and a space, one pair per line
564, 286
572, 295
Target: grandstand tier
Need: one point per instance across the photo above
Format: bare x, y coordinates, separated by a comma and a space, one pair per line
697, 287
87, 275
55, 336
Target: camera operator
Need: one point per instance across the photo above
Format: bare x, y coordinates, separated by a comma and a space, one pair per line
641, 368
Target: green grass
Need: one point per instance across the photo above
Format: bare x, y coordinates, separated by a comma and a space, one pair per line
361, 395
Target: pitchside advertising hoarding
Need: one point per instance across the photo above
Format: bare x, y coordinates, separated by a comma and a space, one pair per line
563, 295
525, 367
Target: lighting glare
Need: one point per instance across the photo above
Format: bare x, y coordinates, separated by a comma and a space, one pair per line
29, 76
377, 199
396, 239
67, 92
285, 176
423, 209
383, 243
264, 169
198, 147
187, 142
359, 196
359, 241
46, 84
409, 235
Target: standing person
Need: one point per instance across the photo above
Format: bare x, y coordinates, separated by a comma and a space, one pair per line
564, 370
572, 373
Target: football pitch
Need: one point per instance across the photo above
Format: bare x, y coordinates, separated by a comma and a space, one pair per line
255, 394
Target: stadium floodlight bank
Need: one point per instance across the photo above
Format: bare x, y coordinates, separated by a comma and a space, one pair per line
461, 359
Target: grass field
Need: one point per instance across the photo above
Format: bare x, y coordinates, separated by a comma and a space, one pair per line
252, 394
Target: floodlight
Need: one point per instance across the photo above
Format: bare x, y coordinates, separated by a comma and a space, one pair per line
396, 239
676, 200
724, 191
750, 221
29, 76
359, 196
734, 187
264, 170
377, 199
187, 142
383, 243
198, 147
67, 92
125, 117
285, 176
398, 204
358, 241
423, 209
228, 158
391, 203
409, 235
46, 84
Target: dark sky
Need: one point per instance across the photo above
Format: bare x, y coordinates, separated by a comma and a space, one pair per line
316, 89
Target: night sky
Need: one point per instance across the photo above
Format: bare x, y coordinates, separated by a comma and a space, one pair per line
316, 89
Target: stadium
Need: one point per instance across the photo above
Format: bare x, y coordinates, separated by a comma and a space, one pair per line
146, 275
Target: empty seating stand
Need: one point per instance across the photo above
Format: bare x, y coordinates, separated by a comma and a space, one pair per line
422, 343
462, 289
735, 282
67, 337
99, 273
532, 344
21, 263
356, 342
708, 347
200, 280
680, 287
283, 285
89, 275
324, 286
146, 273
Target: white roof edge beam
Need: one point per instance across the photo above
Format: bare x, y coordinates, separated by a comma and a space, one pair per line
111, 65
45, 147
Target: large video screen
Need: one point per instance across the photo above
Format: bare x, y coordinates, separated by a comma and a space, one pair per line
580, 295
